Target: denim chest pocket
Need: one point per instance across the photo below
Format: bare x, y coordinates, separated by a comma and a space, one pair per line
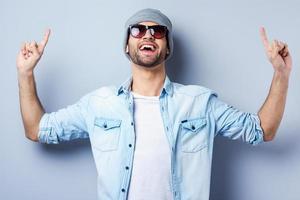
193, 135
106, 134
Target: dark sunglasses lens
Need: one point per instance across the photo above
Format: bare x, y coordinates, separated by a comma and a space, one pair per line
137, 31
158, 31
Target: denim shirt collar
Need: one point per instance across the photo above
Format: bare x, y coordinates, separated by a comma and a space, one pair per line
126, 87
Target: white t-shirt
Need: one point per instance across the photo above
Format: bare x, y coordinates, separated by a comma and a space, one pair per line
152, 158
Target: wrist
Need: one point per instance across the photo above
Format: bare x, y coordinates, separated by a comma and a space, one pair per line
282, 74
25, 73
281, 80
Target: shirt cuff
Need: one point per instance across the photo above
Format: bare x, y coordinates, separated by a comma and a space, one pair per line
46, 132
259, 134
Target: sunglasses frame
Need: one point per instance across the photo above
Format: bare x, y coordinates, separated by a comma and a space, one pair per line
152, 31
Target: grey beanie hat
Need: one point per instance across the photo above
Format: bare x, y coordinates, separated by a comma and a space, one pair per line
151, 15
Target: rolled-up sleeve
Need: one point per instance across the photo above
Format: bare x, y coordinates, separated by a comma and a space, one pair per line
65, 124
235, 124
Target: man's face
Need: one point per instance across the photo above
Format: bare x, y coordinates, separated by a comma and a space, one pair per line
139, 52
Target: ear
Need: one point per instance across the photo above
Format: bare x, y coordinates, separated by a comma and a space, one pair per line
127, 51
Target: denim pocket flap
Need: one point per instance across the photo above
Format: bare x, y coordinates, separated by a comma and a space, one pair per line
107, 124
193, 124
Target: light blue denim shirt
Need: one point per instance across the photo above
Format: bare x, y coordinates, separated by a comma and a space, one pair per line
192, 117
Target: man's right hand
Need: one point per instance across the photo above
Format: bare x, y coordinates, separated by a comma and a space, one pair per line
31, 107
31, 53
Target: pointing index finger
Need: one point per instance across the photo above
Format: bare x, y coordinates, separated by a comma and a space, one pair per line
45, 39
264, 37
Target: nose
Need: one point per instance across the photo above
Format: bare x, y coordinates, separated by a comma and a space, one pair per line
148, 35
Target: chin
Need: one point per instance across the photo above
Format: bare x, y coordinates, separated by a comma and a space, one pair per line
151, 65
147, 62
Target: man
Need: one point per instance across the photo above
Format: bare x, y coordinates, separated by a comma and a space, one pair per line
151, 138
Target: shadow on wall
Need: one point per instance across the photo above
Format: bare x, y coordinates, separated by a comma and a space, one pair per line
63, 149
181, 68
176, 66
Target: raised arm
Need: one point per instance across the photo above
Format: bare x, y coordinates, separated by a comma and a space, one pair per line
272, 110
30, 105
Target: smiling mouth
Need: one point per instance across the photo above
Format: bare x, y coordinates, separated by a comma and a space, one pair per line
147, 48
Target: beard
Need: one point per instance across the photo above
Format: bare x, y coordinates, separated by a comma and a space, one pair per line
145, 60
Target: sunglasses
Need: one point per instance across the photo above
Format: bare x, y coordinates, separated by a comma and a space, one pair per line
139, 30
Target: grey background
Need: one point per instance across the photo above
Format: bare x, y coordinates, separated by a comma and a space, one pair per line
217, 45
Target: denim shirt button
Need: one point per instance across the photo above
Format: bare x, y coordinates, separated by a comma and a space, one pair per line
130, 145
123, 190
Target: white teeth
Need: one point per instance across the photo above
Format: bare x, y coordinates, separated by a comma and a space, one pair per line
147, 46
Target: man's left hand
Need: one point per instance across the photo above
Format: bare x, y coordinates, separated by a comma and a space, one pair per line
277, 53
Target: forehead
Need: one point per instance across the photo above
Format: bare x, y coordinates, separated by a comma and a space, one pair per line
148, 23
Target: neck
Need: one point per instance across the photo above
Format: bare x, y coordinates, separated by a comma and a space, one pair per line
148, 81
